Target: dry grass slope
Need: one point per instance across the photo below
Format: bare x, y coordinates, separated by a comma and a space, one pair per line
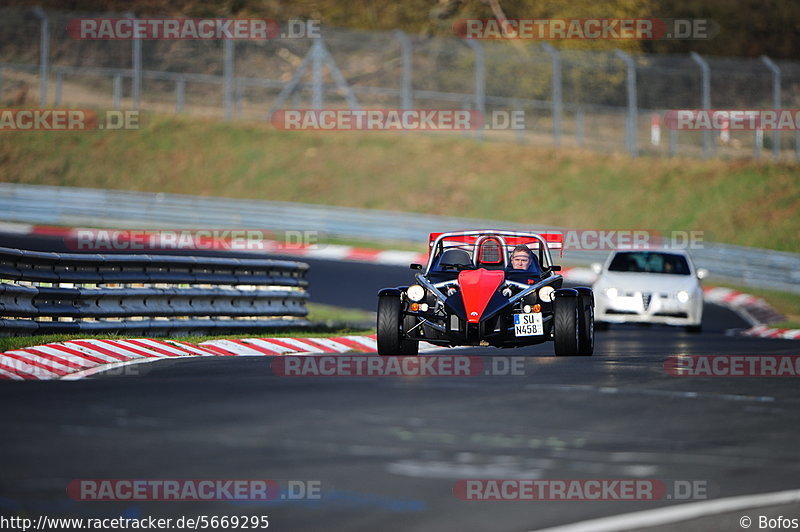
748, 203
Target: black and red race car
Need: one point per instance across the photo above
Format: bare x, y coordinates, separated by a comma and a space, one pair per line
469, 294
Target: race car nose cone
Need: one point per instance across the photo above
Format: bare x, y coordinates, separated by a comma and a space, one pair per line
477, 288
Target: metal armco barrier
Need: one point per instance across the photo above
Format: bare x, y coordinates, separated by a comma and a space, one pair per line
43, 293
70, 206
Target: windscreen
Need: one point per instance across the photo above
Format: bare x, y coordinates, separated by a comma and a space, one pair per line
650, 262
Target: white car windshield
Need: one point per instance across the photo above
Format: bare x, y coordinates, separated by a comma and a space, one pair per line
650, 262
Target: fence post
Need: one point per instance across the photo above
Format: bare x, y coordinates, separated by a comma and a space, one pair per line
776, 102
136, 80
317, 57
673, 142
180, 95
630, 127
227, 74
59, 84
44, 54
406, 94
117, 94
238, 97
520, 132
480, 82
706, 95
758, 140
557, 103
797, 144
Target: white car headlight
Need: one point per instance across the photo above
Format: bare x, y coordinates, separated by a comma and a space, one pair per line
612, 293
683, 296
415, 293
546, 293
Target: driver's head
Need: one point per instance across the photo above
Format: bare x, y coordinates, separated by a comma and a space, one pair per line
521, 257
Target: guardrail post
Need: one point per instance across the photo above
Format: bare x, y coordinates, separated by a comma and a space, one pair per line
44, 54
705, 94
227, 73
776, 102
630, 126
480, 82
136, 65
557, 104
406, 94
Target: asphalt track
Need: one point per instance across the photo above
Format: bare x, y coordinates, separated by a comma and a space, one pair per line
388, 451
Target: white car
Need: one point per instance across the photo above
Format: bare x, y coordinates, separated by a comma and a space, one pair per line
649, 286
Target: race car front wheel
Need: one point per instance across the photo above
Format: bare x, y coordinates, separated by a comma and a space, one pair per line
566, 324
390, 329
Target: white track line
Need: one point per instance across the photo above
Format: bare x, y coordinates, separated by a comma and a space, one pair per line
683, 512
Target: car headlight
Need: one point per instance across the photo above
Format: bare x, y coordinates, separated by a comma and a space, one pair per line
546, 293
612, 293
415, 293
683, 296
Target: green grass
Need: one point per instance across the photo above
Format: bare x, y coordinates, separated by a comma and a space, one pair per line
328, 321
18, 342
753, 203
786, 303
333, 316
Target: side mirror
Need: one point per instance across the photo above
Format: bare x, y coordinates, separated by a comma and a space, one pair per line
555, 268
416, 266
597, 268
702, 273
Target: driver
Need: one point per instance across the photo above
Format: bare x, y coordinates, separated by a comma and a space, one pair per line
521, 257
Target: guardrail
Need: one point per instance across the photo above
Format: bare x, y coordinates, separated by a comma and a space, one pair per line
45, 293
68, 206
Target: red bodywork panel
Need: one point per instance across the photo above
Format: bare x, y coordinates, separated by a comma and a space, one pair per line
477, 288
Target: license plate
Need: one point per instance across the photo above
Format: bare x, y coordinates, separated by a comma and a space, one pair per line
528, 324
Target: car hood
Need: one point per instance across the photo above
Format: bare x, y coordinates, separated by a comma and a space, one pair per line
646, 282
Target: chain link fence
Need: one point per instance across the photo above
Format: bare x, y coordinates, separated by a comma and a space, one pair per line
600, 100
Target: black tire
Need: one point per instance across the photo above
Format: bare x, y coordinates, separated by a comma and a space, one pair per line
390, 329
566, 326
694, 329
586, 338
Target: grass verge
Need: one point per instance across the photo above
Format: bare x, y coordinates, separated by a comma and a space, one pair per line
752, 203
329, 321
786, 303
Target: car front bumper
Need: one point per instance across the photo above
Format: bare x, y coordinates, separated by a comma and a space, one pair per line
638, 308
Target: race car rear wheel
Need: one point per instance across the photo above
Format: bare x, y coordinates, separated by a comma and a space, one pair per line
586, 336
390, 329
566, 326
